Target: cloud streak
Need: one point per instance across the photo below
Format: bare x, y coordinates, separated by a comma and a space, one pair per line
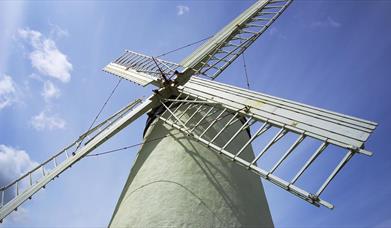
50, 91
11, 16
7, 91
182, 9
327, 23
44, 120
46, 57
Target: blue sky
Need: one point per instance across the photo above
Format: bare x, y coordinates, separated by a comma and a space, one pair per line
331, 54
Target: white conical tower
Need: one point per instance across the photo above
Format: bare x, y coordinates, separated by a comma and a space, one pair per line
176, 181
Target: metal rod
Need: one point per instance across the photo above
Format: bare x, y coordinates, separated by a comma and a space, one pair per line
168, 67
145, 65
233, 122
160, 70
238, 132
128, 61
202, 119
177, 107
191, 101
277, 137
130, 57
343, 162
213, 122
225, 126
187, 109
192, 115
310, 160
288, 152
140, 64
260, 131
17, 188
175, 116
135, 62
124, 58
172, 103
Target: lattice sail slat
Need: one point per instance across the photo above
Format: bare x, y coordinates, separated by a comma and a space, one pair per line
222, 49
141, 69
222, 105
342, 130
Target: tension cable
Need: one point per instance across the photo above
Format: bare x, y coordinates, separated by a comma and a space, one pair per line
180, 48
245, 71
100, 111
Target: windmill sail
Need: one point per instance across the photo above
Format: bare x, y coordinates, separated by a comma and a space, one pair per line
209, 60
219, 105
141, 69
339, 129
222, 49
284, 116
23, 188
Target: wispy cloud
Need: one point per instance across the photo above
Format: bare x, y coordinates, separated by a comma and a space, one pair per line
328, 22
46, 121
274, 31
20, 216
384, 224
57, 31
182, 9
50, 91
46, 57
11, 17
7, 91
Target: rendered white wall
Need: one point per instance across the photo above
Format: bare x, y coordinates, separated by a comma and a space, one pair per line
177, 181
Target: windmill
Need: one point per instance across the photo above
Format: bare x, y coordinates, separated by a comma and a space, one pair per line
207, 135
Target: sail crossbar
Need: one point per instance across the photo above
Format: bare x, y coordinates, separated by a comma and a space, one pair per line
140, 68
202, 105
342, 130
213, 57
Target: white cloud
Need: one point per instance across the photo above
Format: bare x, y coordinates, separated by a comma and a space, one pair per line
14, 163
44, 121
49, 91
7, 91
181, 10
328, 22
46, 57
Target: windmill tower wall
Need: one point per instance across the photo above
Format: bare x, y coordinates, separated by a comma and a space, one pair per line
177, 181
